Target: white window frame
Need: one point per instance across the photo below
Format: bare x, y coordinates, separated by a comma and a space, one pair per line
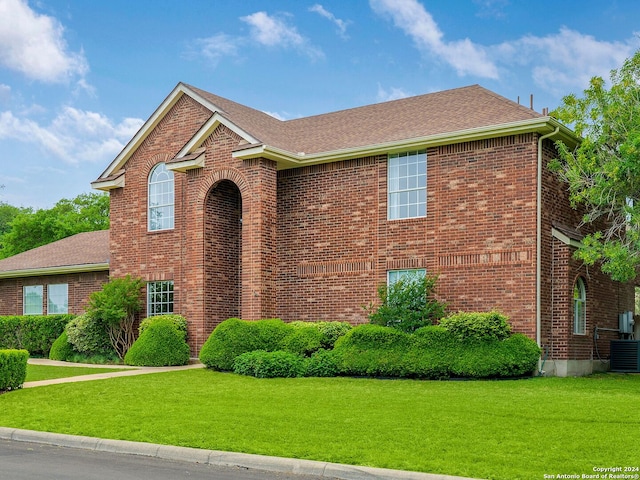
160, 297
32, 307
407, 185
394, 275
57, 298
161, 199
579, 307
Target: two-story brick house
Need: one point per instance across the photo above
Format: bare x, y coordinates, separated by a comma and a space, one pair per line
226, 211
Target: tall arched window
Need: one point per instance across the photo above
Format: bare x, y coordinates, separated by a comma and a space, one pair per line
161, 198
579, 307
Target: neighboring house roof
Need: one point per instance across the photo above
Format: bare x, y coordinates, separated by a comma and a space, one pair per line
83, 252
451, 116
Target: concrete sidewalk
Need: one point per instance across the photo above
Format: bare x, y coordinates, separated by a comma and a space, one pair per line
125, 371
211, 457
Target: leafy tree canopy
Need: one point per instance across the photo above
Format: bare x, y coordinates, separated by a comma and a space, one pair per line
603, 172
26, 229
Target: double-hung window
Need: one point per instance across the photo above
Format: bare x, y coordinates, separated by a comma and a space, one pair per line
579, 307
159, 298
394, 276
57, 298
161, 198
407, 185
32, 300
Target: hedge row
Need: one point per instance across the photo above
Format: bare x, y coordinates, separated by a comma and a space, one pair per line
233, 337
162, 342
34, 333
13, 368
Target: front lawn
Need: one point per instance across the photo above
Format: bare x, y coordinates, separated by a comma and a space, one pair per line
49, 372
485, 429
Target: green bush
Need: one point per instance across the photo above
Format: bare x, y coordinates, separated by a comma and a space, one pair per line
321, 364
178, 320
35, 333
61, 349
160, 344
88, 335
330, 331
303, 341
13, 368
408, 304
262, 364
477, 325
233, 337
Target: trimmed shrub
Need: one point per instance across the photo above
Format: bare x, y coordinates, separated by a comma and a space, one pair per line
477, 325
88, 335
407, 304
233, 337
322, 364
61, 349
303, 341
13, 368
330, 331
160, 344
35, 333
262, 364
178, 320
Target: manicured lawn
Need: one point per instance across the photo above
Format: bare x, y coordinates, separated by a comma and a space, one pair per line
48, 372
484, 429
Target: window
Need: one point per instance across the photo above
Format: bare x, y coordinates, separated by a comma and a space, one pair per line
407, 180
579, 307
394, 275
32, 300
159, 298
57, 299
161, 198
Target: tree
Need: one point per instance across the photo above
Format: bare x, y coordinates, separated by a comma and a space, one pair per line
28, 229
115, 307
603, 171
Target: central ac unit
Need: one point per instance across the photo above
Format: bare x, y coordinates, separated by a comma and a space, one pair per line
625, 356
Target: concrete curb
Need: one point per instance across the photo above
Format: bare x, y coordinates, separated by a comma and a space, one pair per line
218, 458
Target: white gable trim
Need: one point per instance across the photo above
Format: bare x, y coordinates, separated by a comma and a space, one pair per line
565, 238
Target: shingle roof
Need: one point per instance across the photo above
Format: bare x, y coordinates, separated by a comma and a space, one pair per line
413, 117
88, 249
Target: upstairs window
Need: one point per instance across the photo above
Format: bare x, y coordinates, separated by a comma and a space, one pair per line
161, 198
579, 307
407, 185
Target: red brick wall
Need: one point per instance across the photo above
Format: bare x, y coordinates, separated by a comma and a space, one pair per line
80, 285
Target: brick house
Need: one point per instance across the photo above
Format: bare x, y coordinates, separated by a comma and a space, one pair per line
55, 278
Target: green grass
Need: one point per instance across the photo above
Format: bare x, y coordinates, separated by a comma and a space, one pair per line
48, 372
512, 429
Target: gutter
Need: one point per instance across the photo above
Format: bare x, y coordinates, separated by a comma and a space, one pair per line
59, 270
539, 238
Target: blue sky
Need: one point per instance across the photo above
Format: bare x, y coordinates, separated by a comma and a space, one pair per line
79, 77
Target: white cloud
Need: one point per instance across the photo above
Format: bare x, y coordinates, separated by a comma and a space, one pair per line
217, 46
392, 94
34, 45
5, 93
275, 115
73, 136
466, 57
567, 59
275, 32
341, 24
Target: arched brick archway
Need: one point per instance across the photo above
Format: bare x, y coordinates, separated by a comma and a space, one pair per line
222, 253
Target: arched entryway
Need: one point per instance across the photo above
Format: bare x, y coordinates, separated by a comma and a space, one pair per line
223, 253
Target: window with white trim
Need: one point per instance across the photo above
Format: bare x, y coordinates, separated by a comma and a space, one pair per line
407, 185
414, 274
32, 300
57, 298
159, 298
161, 198
579, 307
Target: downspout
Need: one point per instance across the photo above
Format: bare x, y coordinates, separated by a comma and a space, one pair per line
539, 239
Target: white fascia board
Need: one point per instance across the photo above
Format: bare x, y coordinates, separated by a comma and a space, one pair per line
288, 159
107, 185
565, 239
61, 270
208, 128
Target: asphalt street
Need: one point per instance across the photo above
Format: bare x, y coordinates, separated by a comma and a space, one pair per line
34, 461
